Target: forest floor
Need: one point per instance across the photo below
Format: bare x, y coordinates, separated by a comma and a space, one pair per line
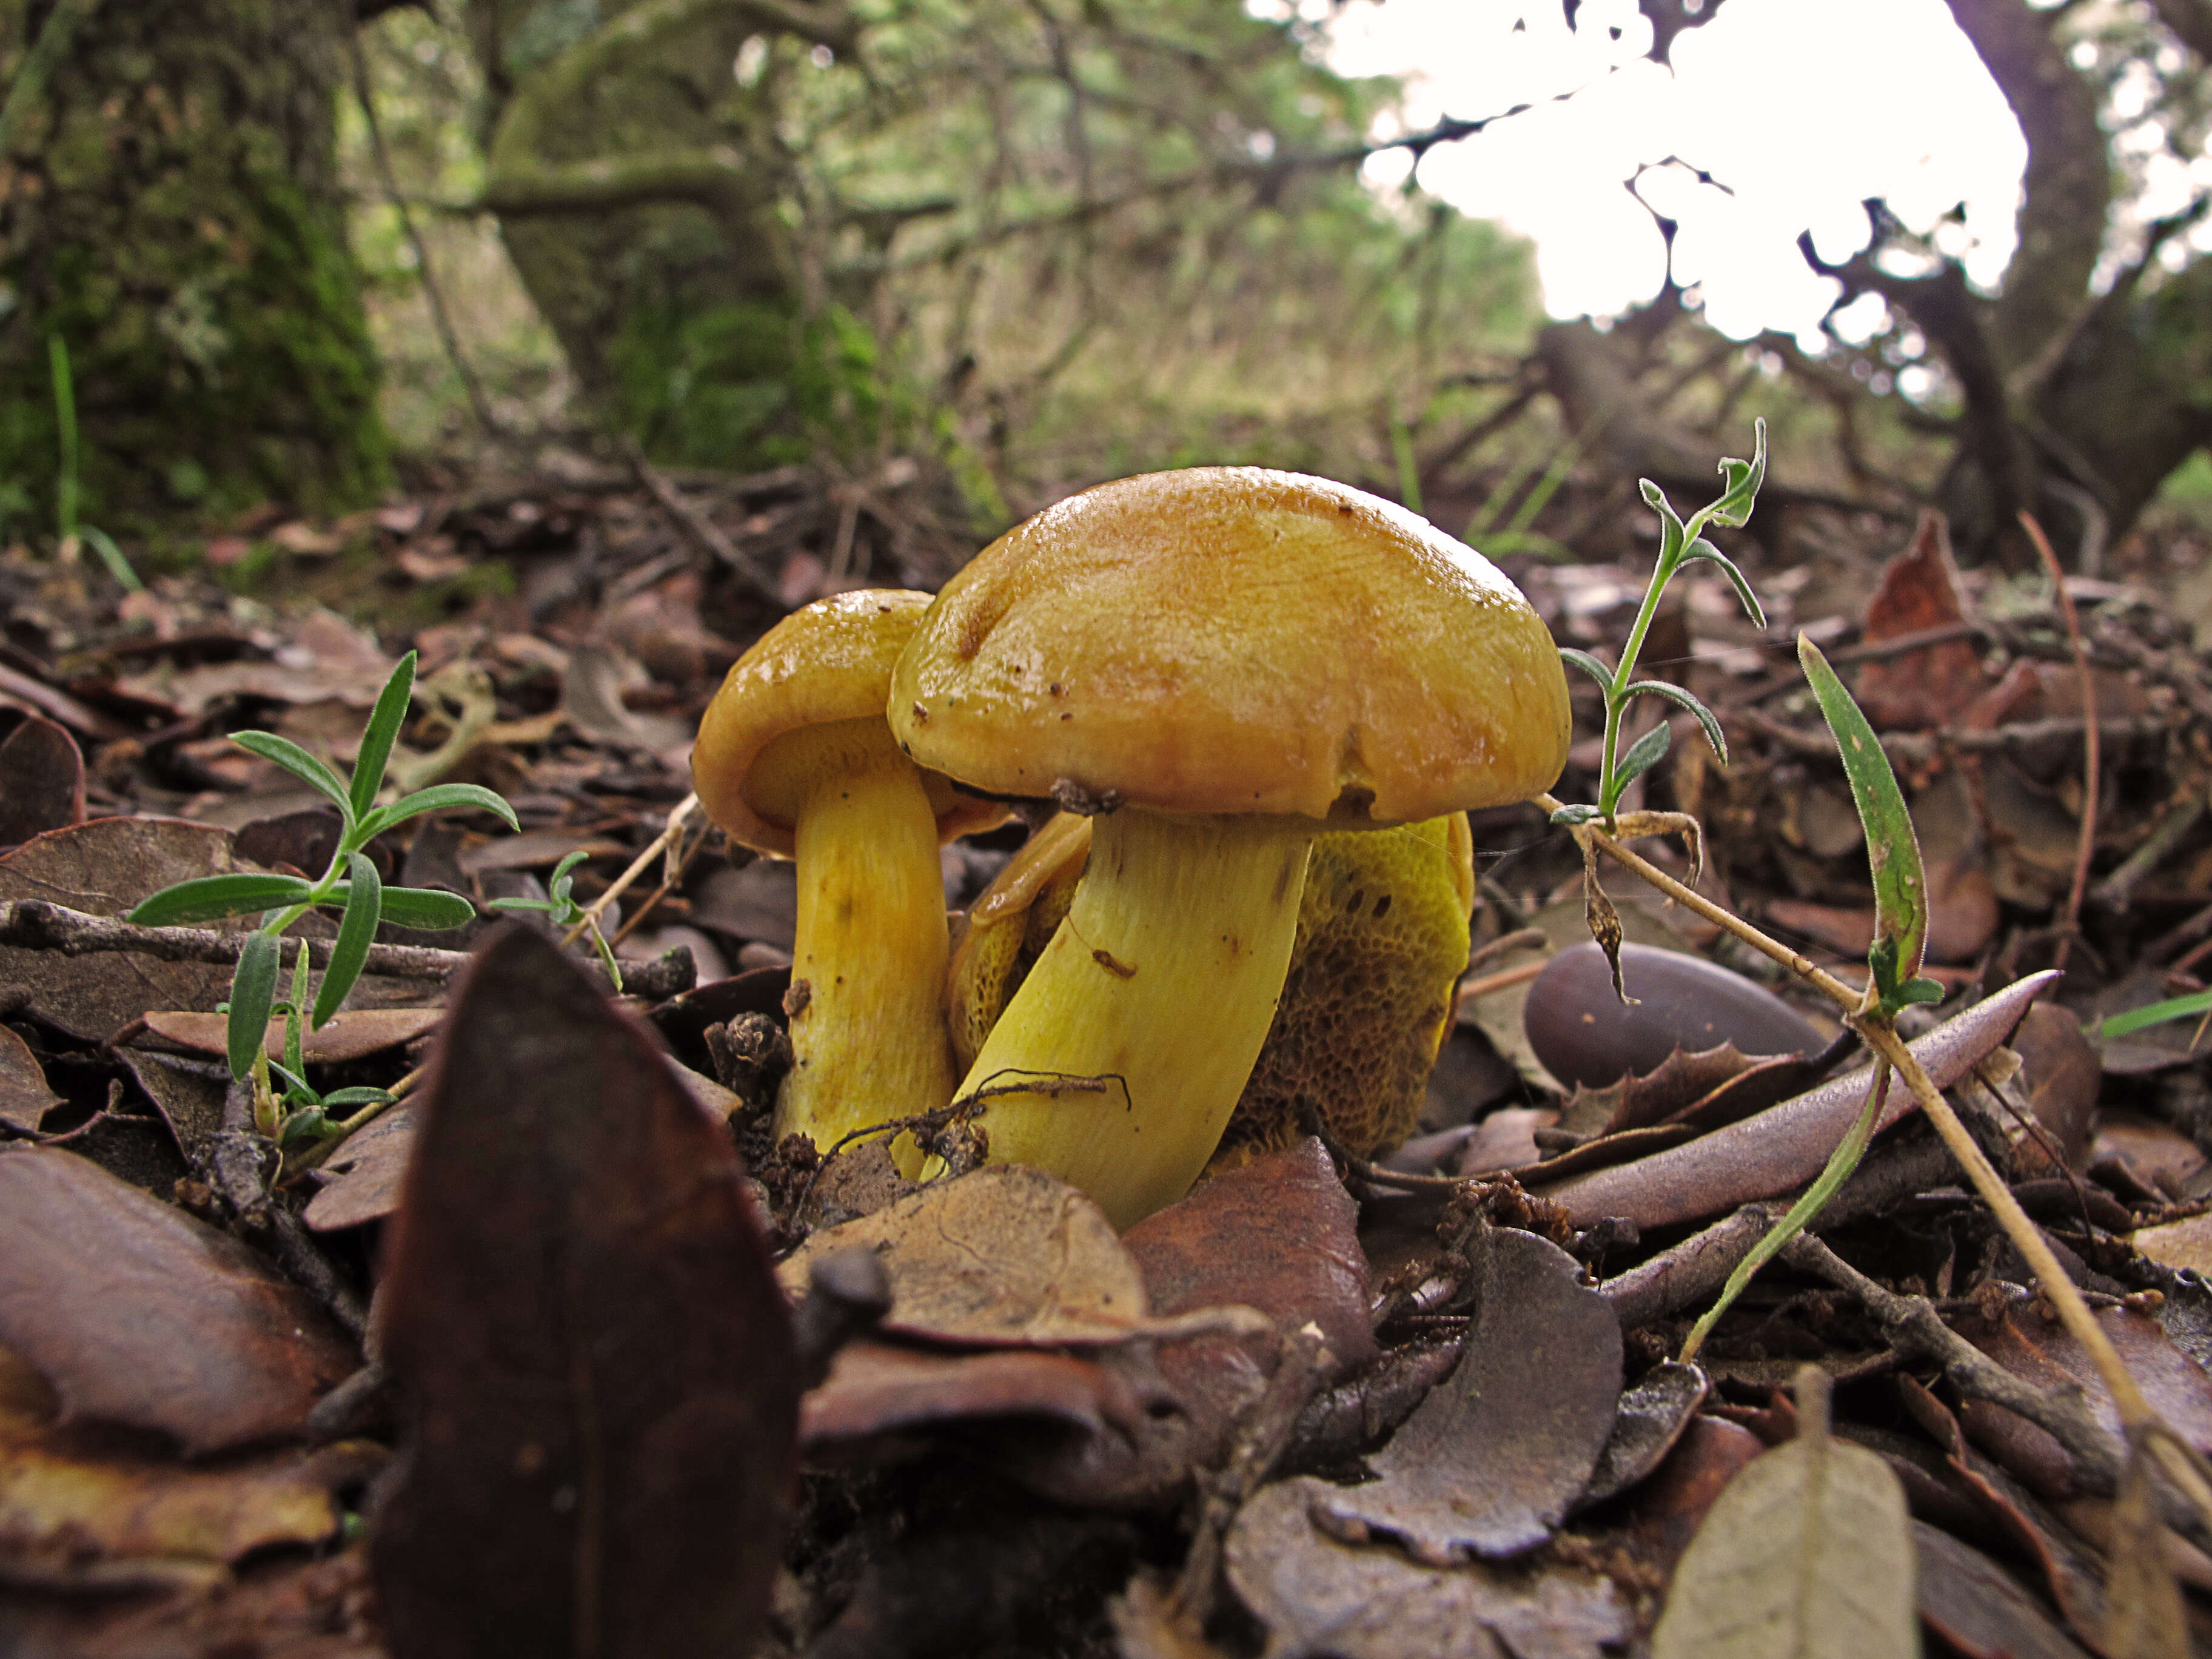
1456, 1425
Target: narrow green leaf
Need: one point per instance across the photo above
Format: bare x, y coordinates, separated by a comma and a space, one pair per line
438, 798
294, 1012
358, 1096
1741, 483
209, 898
1675, 694
426, 908
1590, 666
1900, 884
508, 905
1646, 752
1567, 816
308, 1125
296, 1087
2157, 1014
382, 731
252, 994
564, 882
112, 555
356, 932
1670, 523
1705, 551
298, 763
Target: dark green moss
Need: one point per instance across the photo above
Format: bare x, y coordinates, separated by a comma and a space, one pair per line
175, 218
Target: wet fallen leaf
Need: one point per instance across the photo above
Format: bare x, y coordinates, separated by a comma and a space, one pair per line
327, 657
1668, 1509
63, 1506
1584, 1035
1506, 1139
41, 781
1784, 1146
1279, 1233
1319, 1596
1808, 1552
1979, 1608
105, 868
1653, 1415
351, 1034
601, 1393
1493, 1457
137, 1315
25, 1099
1002, 1254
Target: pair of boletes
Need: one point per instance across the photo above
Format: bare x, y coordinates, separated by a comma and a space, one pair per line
1270, 698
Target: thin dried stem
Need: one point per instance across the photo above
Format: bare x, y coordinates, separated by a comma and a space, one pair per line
623, 883
2091, 736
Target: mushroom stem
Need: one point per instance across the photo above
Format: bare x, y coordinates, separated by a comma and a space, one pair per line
1165, 976
867, 1031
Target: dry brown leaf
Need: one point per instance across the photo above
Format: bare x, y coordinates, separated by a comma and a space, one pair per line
137, 1315
1979, 1608
1919, 591
351, 1034
25, 1099
41, 781
1321, 1596
1005, 1254
105, 868
1784, 1146
1492, 1459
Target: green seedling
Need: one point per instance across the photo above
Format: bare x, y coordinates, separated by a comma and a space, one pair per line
301, 1114
349, 885
65, 482
1681, 544
1900, 889
560, 909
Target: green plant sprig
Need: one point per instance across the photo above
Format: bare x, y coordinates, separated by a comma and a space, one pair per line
1680, 544
560, 907
65, 480
349, 884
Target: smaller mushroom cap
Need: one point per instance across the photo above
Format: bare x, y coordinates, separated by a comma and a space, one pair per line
1235, 640
823, 665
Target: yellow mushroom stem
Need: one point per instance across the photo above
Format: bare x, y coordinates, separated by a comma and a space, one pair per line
867, 1031
1161, 982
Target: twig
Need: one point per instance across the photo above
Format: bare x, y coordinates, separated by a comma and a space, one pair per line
1919, 748
1522, 938
2117, 888
35, 925
697, 528
623, 883
1913, 1327
670, 875
2086, 849
2074, 1312
364, 94
235, 1158
1473, 990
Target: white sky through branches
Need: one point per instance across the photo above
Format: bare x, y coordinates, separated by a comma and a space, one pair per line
1802, 108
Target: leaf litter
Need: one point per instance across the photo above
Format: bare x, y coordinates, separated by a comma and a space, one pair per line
576, 708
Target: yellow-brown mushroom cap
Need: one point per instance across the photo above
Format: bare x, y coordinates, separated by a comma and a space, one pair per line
827, 664
1236, 640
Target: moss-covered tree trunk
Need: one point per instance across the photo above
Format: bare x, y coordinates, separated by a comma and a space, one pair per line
169, 207
649, 203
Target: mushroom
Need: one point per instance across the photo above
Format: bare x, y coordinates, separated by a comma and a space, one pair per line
1365, 1006
1218, 664
794, 759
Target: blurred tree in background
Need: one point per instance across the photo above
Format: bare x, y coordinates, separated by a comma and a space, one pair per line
1029, 242
169, 209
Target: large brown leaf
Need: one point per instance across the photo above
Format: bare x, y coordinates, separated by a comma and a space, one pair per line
41, 781
137, 1313
105, 868
602, 1398
1784, 1146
